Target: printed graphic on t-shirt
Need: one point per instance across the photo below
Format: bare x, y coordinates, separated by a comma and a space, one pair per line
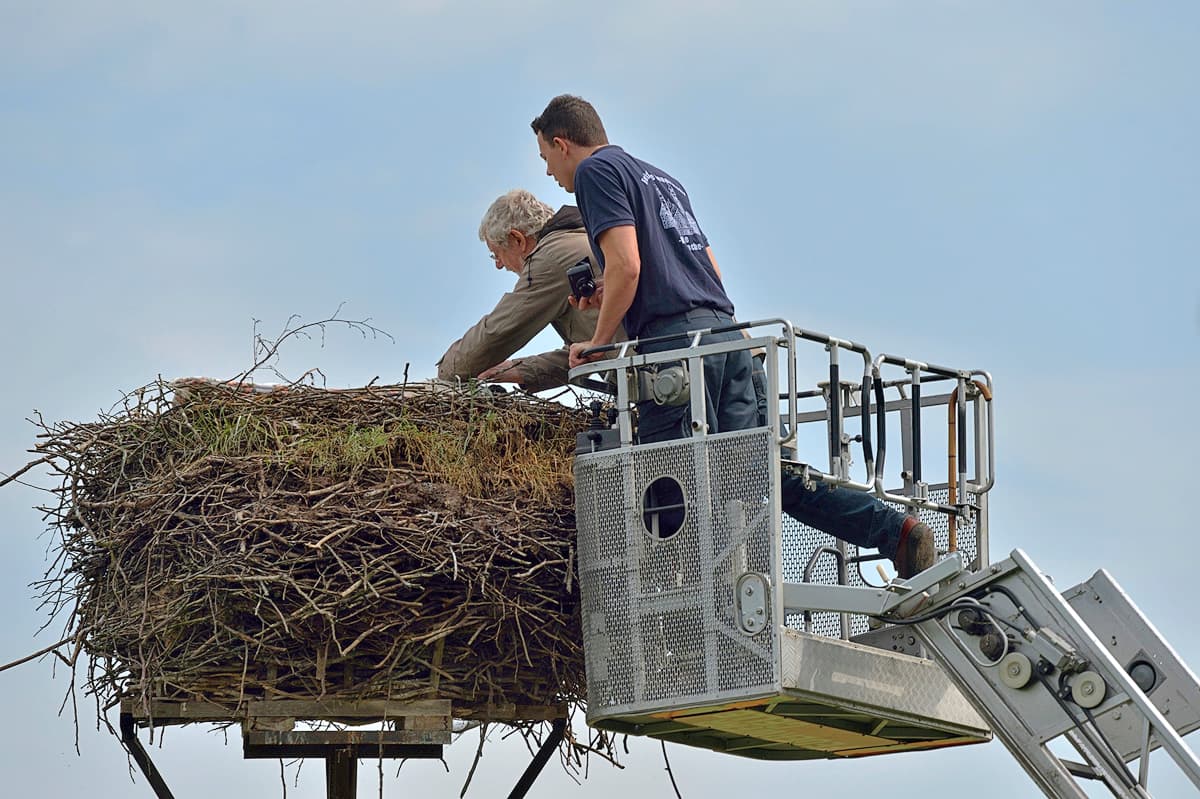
672, 212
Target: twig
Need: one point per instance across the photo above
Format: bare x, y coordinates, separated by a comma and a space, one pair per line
265, 351
36, 654
10, 478
670, 773
475, 762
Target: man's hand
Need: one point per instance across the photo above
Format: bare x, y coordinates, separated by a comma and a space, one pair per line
594, 301
505, 372
576, 357
621, 280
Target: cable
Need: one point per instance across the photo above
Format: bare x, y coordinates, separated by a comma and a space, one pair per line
1108, 744
1121, 770
980, 607
971, 654
998, 619
1095, 736
1020, 608
963, 603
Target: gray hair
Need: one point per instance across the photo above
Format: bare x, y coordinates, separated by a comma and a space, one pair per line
516, 210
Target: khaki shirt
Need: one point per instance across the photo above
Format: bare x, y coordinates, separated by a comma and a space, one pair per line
538, 299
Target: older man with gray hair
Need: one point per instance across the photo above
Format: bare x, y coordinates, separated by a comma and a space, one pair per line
528, 238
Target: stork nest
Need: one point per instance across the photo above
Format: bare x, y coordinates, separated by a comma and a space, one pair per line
221, 544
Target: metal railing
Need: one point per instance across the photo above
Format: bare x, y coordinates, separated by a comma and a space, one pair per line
972, 387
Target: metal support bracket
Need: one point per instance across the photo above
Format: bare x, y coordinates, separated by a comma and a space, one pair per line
557, 731
142, 758
902, 596
752, 594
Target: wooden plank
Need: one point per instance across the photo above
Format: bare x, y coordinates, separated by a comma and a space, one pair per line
172, 711
177, 712
362, 743
343, 738
272, 723
341, 708
423, 723
511, 712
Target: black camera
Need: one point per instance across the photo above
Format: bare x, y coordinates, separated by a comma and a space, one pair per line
580, 278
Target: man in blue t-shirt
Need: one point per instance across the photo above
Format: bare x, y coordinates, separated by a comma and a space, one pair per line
661, 278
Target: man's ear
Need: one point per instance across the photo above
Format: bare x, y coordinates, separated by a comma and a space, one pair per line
562, 144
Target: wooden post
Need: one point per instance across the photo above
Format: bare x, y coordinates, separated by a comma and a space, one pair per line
341, 774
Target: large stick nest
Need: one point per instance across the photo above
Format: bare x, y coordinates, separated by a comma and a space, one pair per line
388, 542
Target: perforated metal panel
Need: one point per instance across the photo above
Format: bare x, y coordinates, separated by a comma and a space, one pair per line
800, 542
659, 622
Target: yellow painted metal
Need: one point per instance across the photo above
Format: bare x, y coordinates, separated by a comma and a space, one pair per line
796, 733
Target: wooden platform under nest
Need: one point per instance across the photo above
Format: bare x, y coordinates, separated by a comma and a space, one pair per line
279, 713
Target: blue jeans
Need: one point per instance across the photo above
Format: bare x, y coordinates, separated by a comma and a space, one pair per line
734, 404
758, 376
853, 516
731, 403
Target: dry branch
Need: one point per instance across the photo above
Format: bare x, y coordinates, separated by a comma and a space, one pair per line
217, 543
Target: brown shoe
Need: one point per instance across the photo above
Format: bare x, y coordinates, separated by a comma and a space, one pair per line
915, 552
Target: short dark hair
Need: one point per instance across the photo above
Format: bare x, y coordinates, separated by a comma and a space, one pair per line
571, 118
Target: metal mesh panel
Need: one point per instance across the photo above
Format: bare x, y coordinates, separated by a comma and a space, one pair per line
801, 541
659, 619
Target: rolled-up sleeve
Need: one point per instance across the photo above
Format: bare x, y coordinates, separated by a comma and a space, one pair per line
545, 371
519, 316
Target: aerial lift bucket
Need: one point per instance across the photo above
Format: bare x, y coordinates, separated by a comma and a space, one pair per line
681, 645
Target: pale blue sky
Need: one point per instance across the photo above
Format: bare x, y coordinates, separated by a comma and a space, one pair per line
1009, 186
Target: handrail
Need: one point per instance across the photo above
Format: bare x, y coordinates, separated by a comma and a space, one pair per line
577, 375
840, 558
955, 446
957, 410
986, 393
695, 335
838, 470
873, 400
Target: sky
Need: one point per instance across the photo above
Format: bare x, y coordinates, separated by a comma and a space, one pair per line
1005, 186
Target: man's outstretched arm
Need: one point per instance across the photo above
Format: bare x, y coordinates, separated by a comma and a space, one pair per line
622, 269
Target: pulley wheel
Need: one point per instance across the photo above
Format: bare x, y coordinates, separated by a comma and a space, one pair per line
1015, 670
1088, 689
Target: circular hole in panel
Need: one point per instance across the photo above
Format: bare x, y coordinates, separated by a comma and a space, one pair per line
663, 508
